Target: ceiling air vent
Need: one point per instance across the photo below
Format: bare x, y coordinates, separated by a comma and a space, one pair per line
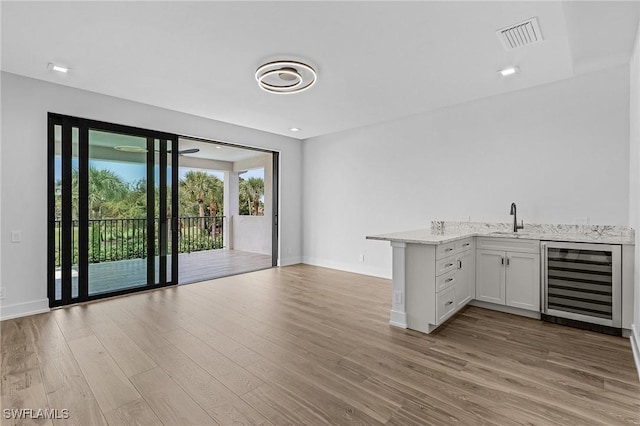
520, 34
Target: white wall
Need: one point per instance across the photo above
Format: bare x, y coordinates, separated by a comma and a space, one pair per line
25, 103
634, 178
253, 233
560, 151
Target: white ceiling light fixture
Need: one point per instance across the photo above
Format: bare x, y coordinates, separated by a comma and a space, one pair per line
295, 129
509, 71
58, 68
285, 77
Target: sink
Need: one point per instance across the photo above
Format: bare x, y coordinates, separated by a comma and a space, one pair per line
508, 233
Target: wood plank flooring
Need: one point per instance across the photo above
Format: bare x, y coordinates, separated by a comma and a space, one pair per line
303, 345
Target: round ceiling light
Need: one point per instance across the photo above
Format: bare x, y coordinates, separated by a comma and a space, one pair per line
284, 77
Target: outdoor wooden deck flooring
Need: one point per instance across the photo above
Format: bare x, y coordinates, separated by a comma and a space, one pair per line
304, 345
206, 265
192, 267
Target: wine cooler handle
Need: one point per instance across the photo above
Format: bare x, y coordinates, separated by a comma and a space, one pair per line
545, 279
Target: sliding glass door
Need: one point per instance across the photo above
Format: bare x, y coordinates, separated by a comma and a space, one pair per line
111, 197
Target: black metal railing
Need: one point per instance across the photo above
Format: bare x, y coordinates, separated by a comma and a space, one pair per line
121, 239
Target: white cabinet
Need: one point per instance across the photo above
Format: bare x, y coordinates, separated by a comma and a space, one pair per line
465, 278
508, 272
490, 276
523, 281
439, 280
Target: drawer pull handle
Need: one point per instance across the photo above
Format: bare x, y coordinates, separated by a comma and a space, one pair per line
448, 280
508, 259
448, 249
448, 265
448, 303
466, 245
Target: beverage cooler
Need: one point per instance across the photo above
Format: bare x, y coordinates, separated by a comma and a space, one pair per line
582, 285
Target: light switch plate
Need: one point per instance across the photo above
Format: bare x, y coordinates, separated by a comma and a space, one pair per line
16, 236
581, 220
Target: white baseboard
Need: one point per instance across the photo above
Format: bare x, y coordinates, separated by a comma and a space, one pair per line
505, 309
635, 347
290, 261
356, 268
23, 309
398, 319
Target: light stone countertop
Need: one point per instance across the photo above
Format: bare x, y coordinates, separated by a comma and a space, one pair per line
444, 232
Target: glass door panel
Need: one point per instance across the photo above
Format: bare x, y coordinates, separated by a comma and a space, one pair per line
110, 203
65, 198
118, 234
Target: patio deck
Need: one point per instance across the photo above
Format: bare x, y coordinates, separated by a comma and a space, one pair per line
192, 267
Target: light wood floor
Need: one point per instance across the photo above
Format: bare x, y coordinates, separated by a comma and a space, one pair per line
308, 346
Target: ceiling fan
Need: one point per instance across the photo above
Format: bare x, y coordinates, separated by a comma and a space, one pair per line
184, 151
187, 151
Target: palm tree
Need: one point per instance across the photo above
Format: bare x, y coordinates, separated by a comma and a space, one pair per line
199, 186
105, 187
252, 190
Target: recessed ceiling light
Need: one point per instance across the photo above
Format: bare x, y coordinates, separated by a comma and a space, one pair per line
218, 147
59, 68
509, 71
294, 129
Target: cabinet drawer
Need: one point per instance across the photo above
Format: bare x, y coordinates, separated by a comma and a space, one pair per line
463, 245
445, 304
446, 265
446, 249
445, 280
508, 244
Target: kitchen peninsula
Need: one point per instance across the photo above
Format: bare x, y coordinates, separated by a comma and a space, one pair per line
438, 271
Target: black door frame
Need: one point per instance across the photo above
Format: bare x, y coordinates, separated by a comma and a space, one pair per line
83, 125
275, 225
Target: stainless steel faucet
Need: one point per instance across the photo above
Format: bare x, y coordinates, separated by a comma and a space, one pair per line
515, 218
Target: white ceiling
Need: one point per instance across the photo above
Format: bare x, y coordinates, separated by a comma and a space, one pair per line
376, 61
213, 151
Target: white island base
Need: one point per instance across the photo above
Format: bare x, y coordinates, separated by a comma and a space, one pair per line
431, 282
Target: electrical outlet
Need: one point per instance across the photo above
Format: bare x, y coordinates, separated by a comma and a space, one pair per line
1, 293
465, 218
288, 250
361, 258
398, 297
16, 236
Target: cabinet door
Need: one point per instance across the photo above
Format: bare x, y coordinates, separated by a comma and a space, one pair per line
465, 284
523, 281
490, 276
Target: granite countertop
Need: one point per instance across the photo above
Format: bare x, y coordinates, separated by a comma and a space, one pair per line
444, 232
